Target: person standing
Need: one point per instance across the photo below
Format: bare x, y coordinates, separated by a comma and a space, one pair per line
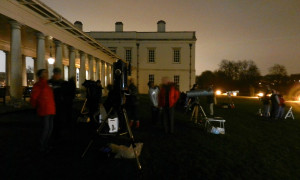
69, 93
167, 99
281, 107
275, 104
42, 99
266, 104
153, 95
132, 104
211, 100
57, 84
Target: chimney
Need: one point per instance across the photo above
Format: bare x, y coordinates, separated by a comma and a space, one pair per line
78, 25
161, 26
119, 27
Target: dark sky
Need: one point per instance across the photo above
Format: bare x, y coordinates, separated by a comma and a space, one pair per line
266, 31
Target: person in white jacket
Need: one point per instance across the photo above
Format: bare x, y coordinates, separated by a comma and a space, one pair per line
153, 95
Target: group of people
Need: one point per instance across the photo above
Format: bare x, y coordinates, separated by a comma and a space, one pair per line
53, 101
273, 105
163, 102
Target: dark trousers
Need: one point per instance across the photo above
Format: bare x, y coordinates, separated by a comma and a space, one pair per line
47, 127
168, 119
58, 122
274, 111
132, 111
154, 114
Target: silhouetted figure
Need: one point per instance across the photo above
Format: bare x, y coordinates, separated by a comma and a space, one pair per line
211, 99
69, 89
275, 104
132, 104
57, 83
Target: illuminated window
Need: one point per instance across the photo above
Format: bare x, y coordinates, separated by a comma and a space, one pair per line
176, 80
66, 73
128, 55
176, 55
151, 55
151, 78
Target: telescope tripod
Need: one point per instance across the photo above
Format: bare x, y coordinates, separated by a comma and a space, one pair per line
122, 115
196, 112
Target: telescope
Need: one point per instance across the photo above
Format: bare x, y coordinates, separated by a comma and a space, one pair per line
199, 93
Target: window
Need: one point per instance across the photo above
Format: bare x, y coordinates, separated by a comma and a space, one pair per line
176, 80
151, 55
176, 55
128, 55
151, 78
113, 49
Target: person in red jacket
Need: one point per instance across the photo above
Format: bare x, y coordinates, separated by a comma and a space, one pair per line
42, 100
167, 99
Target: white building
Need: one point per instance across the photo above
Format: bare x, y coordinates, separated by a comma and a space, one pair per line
154, 55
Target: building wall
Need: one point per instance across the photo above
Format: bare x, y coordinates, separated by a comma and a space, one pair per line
163, 43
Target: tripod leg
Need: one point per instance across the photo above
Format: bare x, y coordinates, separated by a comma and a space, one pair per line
132, 139
196, 114
193, 113
98, 131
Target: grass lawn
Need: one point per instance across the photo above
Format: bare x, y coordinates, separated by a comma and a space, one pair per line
252, 148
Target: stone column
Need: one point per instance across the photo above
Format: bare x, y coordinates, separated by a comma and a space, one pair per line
16, 61
58, 54
97, 69
7, 68
72, 68
34, 69
110, 74
91, 67
40, 57
24, 73
103, 73
82, 69
107, 73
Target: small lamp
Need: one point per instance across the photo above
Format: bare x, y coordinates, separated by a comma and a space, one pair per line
51, 59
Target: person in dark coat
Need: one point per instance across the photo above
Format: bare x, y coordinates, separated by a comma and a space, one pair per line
275, 104
69, 92
57, 83
211, 99
132, 104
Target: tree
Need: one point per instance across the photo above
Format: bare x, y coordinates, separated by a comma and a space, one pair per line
277, 77
245, 70
278, 70
206, 78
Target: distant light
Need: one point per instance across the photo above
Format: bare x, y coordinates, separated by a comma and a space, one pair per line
260, 94
51, 60
218, 92
234, 93
298, 98
259, 83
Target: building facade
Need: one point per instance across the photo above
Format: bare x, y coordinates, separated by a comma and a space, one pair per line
153, 55
32, 29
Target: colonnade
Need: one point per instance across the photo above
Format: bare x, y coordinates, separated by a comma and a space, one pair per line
16, 64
